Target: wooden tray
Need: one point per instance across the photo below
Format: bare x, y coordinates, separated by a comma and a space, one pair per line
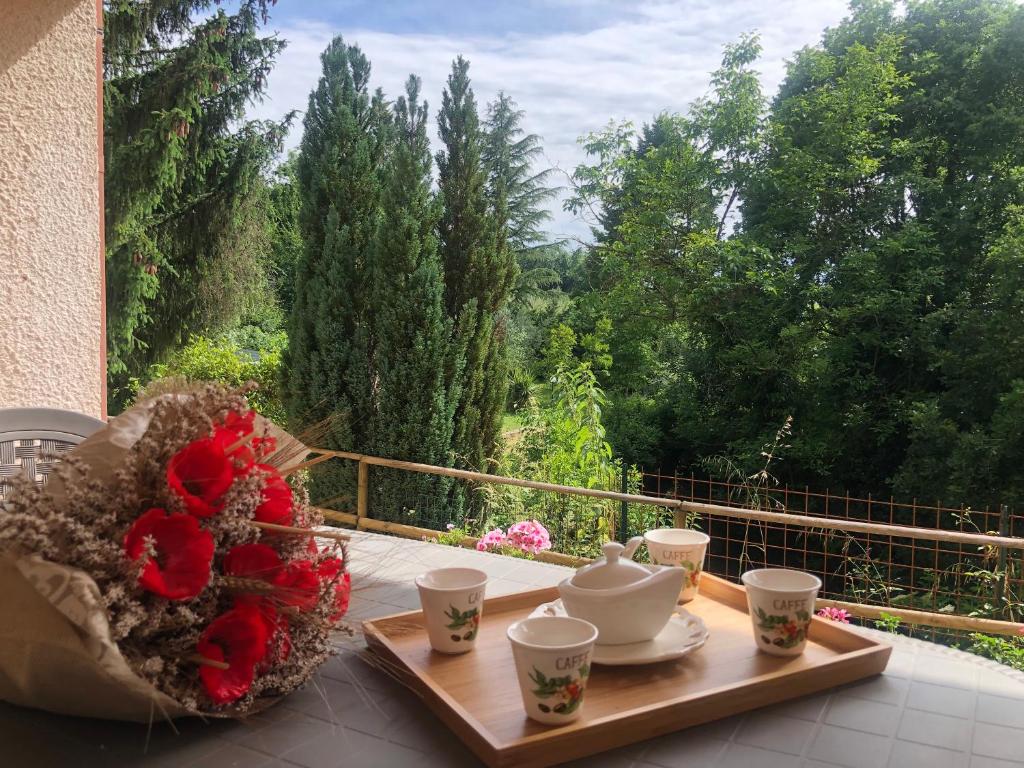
477, 696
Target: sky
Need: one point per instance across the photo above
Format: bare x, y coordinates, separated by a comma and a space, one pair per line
571, 65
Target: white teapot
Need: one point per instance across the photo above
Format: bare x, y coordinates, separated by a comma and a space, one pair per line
626, 601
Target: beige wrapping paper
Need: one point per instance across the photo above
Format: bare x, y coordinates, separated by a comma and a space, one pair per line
56, 652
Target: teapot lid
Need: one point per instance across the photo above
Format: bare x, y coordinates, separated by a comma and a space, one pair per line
612, 570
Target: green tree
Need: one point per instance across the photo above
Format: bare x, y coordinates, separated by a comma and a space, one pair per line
479, 270
184, 244
286, 244
660, 203
888, 182
511, 157
413, 348
344, 146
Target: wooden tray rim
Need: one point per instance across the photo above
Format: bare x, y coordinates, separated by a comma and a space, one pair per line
849, 645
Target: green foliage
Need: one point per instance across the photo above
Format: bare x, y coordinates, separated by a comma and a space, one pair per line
185, 241
888, 622
479, 269
344, 145
414, 360
558, 352
851, 258
1005, 650
286, 244
563, 442
509, 154
204, 359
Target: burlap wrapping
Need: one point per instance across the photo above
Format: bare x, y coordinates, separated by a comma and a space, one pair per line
56, 652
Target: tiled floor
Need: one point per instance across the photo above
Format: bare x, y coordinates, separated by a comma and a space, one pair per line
933, 707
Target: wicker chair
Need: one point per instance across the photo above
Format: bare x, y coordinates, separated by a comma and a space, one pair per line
30, 439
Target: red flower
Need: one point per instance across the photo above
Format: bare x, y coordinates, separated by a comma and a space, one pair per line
253, 561
279, 637
240, 424
181, 565
239, 638
277, 499
234, 428
200, 473
299, 585
328, 570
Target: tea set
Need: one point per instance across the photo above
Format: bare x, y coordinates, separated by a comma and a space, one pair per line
614, 612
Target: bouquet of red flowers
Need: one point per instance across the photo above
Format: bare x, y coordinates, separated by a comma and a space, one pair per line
169, 567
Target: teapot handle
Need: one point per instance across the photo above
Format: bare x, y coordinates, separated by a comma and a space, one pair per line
632, 546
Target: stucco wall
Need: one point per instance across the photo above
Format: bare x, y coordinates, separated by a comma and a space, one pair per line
51, 279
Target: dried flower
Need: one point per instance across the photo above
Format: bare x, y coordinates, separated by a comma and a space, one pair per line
177, 553
200, 473
166, 473
279, 638
239, 638
332, 569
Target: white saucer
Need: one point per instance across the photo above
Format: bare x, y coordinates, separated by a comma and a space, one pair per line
683, 634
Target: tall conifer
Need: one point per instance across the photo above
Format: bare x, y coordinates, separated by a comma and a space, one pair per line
479, 271
510, 155
412, 333
330, 345
183, 236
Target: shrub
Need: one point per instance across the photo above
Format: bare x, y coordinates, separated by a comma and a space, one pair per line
224, 360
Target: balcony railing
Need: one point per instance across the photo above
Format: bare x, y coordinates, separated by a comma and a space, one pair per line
851, 539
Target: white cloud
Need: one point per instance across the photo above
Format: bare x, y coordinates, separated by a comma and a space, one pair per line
655, 59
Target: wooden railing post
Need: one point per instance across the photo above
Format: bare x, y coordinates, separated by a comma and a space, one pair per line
624, 511
1004, 530
362, 492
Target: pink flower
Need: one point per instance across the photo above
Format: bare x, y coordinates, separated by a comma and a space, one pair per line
835, 614
529, 536
491, 540
450, 526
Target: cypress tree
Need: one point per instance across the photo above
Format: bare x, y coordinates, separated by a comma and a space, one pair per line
479, 272
184, 242
330, 350
412, 333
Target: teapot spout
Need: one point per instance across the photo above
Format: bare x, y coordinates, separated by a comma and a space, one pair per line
632, 546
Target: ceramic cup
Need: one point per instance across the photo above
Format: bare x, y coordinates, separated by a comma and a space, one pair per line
552, 655
453, 603
781, 606
682, 548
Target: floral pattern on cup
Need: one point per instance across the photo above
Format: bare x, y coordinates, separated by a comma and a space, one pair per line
552, 656
458, 620
453, 606
692, 573
567, 690
679, 548
783, 631
781, 603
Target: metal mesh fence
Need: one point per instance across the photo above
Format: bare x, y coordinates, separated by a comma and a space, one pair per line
871, 569
878, 569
